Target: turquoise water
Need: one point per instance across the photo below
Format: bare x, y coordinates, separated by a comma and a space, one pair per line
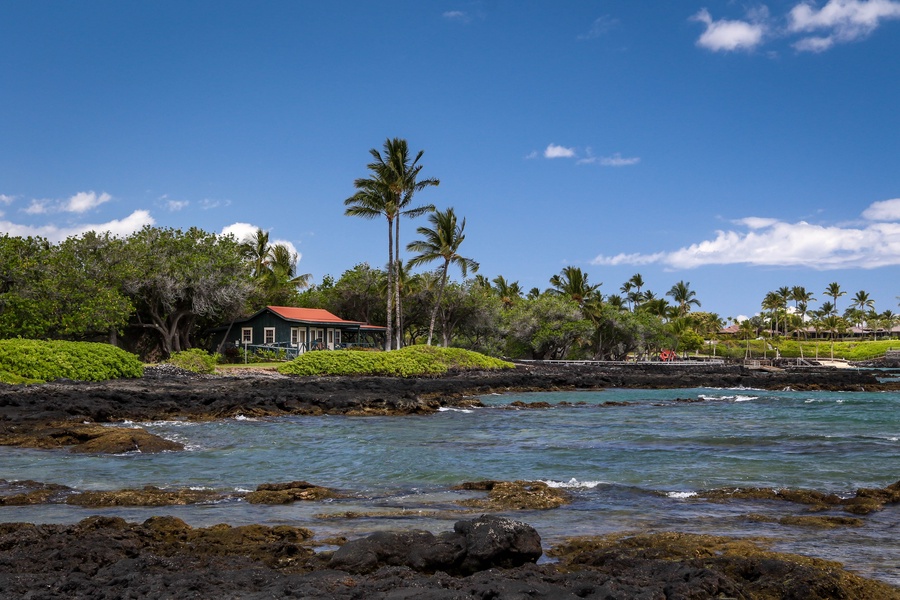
631, 467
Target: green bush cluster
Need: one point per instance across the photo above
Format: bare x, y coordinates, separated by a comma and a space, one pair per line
35, 361
194, 360
412, 361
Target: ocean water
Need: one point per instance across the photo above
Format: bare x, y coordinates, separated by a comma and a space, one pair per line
633, 466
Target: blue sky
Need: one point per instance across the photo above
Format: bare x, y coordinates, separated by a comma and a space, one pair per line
738, 146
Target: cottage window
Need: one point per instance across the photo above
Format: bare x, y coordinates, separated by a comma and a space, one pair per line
331, 336
246, 335
337, 337
295, 336
269, 335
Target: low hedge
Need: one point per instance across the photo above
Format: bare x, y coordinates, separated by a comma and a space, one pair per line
35, 361
412, 361
194, 360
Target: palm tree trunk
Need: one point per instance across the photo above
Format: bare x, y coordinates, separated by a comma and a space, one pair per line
397, 288
390, 296
437, 302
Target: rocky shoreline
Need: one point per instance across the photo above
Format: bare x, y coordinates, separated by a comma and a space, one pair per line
486, 557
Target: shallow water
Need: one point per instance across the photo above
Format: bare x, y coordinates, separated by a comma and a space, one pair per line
631, 467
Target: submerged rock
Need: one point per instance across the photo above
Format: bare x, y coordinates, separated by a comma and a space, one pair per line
148, 496
285, 493
864, 502
515, 495
21, 493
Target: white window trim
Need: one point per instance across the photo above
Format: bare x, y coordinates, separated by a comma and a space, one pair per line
246, 335
266, 332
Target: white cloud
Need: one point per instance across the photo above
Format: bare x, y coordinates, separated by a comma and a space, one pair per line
176, 205
119, 227
208, 204
885, 210
7, 200
554, 151
531, 155
842, 20
726, 35
600, 26
814, 44
771, 242
456, 15
617, 160
85, 201
36, 207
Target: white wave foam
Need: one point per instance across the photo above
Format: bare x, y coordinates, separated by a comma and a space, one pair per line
243, 418
572, 483
449, 409
733, 398
681, 495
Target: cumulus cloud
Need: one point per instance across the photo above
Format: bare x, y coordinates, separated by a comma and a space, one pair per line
7, 200
246, 231
839, 21
819, 28
554, 151
772, 242
36, 207
727, 35
85, 201
118, 227
886, 210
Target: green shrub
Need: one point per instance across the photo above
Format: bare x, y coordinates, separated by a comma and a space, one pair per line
194, 360
412, 361
40, 361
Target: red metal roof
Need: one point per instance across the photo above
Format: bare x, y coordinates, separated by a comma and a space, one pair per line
314, 315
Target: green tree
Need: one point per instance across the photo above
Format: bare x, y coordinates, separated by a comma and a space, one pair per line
546, 327
441, 241
181, 278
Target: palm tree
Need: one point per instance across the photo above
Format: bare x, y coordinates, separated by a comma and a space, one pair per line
388, 192
507, 292
404, 183
257, 251
441, 242
683, 296
801, 299
772, 303
638, 282
373, 200
573, 282
861, 302
834, 291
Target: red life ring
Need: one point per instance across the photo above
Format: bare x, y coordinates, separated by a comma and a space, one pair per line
667, 355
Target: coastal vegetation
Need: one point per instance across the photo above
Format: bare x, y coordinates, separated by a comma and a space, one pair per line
194, 360
161, 291
412, 361
33, 361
